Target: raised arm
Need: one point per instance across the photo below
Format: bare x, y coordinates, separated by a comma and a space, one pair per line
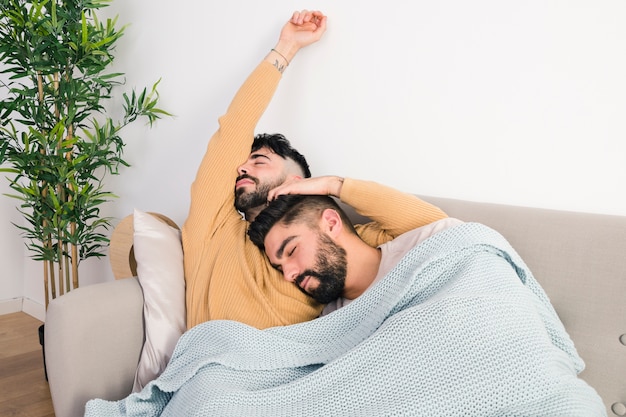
212, 189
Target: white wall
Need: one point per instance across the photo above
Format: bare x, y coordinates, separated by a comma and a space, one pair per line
491, 100
12, 254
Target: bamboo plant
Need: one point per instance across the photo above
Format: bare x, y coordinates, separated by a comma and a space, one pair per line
57, 143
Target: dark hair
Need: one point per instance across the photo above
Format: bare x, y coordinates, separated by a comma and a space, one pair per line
281, 147
288, 209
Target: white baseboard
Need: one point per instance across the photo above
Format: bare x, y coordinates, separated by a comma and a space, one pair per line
28, 306
13, 305
34, 309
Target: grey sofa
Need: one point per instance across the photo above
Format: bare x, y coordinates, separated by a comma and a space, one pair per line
94, 335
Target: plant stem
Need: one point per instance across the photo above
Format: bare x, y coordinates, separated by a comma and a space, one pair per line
60, 262
74, 258
45, 284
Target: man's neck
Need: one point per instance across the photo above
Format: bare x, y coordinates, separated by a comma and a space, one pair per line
251, 214
362, 271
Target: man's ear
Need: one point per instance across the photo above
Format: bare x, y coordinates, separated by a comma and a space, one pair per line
331, 222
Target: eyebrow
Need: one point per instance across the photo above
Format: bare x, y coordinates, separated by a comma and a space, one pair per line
259, 155
281, 249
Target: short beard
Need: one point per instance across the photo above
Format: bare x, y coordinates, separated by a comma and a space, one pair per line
330, 270
245, 202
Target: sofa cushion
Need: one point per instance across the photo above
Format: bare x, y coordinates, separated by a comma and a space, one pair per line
159, 256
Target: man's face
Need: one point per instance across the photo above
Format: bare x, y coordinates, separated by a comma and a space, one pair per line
308, 258
263, 171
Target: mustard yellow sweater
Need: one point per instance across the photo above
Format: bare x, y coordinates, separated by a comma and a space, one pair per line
227, 277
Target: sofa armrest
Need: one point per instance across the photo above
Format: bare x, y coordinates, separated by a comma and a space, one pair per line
93, 340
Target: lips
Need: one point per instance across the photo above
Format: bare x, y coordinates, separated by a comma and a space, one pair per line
304, 282
244, 180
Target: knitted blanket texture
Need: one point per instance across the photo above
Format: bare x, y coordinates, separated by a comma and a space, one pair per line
459, 327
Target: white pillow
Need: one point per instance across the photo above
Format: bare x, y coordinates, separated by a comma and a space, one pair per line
159, 256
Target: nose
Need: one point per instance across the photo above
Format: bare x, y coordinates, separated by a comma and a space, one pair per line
242, 169
290, 273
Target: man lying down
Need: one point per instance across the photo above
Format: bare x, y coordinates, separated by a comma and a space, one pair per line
445, 320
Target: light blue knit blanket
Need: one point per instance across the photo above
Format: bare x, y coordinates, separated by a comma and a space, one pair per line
459, 328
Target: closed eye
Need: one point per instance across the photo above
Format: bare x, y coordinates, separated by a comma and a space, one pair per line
281, 251
259, 158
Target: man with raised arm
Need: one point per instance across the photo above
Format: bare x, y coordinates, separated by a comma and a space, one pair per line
227, 277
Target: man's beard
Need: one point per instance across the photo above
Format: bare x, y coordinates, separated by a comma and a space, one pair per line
330, 270
245, 201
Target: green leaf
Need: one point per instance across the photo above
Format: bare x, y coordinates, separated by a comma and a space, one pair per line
57, 143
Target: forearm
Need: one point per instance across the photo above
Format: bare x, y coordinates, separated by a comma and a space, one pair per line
394, 211
250, 101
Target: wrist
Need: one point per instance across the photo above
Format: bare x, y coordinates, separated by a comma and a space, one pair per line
288, 49
277, 59
337, 184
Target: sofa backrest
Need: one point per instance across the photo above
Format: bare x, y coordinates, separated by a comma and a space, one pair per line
580, 260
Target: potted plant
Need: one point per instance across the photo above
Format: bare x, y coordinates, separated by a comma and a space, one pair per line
57, 142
